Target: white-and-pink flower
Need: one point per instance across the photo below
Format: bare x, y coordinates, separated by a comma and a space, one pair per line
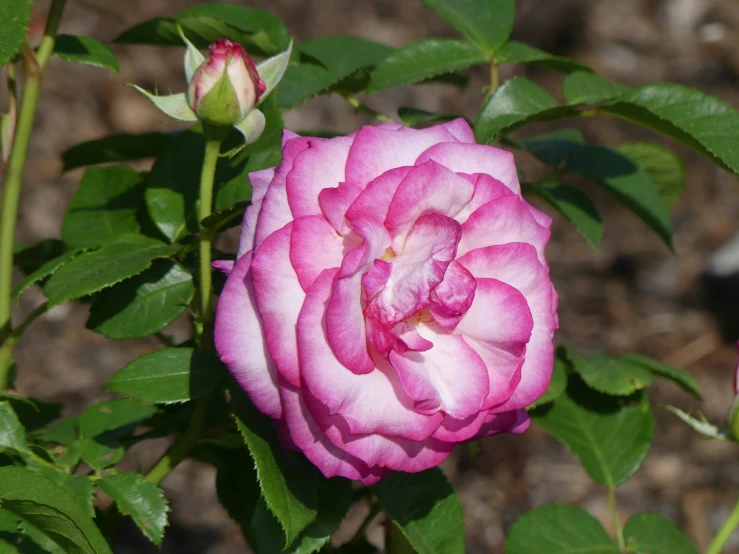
390, 298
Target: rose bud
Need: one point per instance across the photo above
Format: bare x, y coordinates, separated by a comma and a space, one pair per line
390, 298
226, 87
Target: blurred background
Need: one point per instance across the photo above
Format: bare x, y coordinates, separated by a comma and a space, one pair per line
633, 295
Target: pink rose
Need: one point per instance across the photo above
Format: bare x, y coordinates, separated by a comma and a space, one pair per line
391, 298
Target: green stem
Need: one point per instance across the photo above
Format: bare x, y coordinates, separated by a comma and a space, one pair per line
34, 65
182, 444
355, 103
724, 534
213, 142
616, 522
494, 76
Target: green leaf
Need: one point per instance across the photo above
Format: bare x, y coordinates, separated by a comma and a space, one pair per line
515, 103
674, 374
557, 529
303, 82
655, 534
425, 508
85, 50
557, 385
334, 499
414, 116
258, 30
6, 548
143, 304
168, 376
610, 375
14, 17
422, 60
690, 116
79, 486
343, 55
175, 106
287, 480
662, 165
52, 510
699, 424
93, 271
100, 454
46, 270
65, 432
553, 147
115, 148
141, 500
31, 258
272, 70
626, 181
574, 205
32, 413
227, 217
609, 435
104, 206
113, 415
487, 23
585, 87
518, 52
12, 433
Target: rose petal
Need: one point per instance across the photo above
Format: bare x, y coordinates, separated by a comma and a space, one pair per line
371, 403
374, 201
335, 203
459, 430
260, 181
475, 158
239, 339
279, 298
314, 246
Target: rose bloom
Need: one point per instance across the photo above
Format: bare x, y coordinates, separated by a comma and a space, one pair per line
390, 298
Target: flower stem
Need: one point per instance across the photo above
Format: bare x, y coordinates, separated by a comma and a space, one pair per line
494, 76
355, 103
213, 142
34, 64
616, 522
724, 534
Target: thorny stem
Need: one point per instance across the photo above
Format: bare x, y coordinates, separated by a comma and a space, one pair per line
34, 64
724, 534
616, 522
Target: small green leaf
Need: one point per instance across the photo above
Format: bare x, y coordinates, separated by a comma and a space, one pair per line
79, 486
175, 106
143, 304
515, 103
93, 271
65, 432
699, 424
141, 500
85, 50
609, 435
287, 480
574, 205
115, 148
303, 82
100, 454
46, 270
557, 529
272, 70
52, 510
553, 147
557, 385
31, 258
113, 415
677, 375
655, 534
14, 18
518, 52
700, 121
168, 376
252, 126
422, 60
586, 87
662, 165
33, 413
625, 180
425, 508
343, 55
227, 217
12, 433
610, 375
259, 31
487, 23
104, 206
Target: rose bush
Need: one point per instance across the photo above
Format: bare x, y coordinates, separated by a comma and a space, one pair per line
390, 297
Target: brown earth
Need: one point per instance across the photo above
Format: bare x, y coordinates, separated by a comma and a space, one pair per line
631, 296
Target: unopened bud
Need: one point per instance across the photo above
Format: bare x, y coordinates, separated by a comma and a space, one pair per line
226, 87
